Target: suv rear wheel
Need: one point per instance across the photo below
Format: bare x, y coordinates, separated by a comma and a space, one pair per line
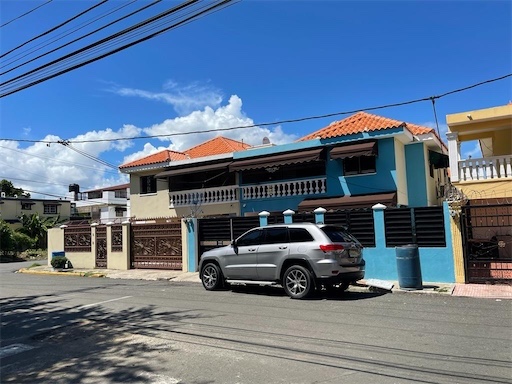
297, 282
211, 277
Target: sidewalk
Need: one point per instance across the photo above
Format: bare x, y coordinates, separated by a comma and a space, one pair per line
498, 291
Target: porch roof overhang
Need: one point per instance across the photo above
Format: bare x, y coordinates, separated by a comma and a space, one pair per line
278, 159
351, 150
347, 202
193, 169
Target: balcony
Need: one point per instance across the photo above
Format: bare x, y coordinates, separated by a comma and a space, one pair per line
284, 189
204, 196
488, 168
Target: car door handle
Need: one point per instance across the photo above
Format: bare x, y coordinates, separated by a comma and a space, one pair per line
252, 249
283, 247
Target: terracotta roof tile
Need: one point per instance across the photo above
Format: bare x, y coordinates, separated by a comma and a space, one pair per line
364, 122
160, 157
216, 146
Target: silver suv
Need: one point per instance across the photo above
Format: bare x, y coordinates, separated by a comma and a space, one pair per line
301, 257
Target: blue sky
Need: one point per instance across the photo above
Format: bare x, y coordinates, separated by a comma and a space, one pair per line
253, 62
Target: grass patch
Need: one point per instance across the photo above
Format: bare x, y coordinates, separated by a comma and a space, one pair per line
34, 265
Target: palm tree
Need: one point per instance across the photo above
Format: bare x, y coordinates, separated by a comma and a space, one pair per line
37, 227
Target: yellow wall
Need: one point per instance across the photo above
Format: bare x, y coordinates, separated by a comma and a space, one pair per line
458, 253
11, 209
401, 174
484, 189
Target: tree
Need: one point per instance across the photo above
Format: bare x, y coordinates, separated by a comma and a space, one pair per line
9, 189
36, 227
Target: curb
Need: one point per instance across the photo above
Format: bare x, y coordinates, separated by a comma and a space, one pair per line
68, 273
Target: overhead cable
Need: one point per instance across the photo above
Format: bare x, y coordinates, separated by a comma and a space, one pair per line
25, 14
279, 122
54, 28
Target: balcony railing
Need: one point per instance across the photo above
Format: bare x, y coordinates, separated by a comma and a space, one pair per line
204, 196
285, 188
487, 168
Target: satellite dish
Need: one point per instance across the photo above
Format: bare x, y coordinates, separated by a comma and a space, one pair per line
266, 140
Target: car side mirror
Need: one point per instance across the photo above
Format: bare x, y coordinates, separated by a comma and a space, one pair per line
235, 246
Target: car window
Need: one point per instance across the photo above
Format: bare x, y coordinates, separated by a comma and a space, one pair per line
276, 235
338, 235
251, 238
299, 235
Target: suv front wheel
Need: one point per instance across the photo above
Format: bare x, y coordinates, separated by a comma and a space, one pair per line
297, 282
211, 277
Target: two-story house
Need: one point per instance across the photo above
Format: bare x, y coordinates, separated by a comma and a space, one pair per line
11, 209
356, 162
481, 198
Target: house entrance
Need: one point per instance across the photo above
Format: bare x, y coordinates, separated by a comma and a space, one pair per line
101, 247
487, 238
156, 244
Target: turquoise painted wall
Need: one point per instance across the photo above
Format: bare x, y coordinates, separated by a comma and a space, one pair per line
416, 175
436, 262
192, 241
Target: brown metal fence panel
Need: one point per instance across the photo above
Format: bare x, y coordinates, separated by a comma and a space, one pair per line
101, 247
77, 239
156, 245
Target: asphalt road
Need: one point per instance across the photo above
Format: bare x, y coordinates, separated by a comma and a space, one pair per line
64, 329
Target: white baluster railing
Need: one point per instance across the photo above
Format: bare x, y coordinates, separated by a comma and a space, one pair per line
487, 168
283, 189
204, 196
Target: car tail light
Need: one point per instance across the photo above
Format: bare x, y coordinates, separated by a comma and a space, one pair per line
331, 247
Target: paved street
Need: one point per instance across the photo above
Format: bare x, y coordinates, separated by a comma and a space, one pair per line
91, 330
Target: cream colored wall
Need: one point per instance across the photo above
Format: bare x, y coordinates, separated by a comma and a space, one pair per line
430, 181
55, 242
11, 209
149, 205
401, 174
119, 260
483, 189
207, 210
458, 253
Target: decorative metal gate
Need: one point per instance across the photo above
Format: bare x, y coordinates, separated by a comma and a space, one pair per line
156, 245
487, 239
101, 247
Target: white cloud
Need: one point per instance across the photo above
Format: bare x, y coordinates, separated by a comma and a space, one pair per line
206, 124
184, 99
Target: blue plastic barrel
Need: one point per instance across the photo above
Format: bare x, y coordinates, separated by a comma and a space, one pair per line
409, 267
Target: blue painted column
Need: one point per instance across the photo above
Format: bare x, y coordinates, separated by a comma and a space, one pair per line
191, 239
378, 221
263, 218
320, 215
288, 216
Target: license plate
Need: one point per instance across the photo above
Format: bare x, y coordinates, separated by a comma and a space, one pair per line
353, 253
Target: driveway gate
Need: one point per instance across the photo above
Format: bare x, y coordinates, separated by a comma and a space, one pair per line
156, 245
487, 239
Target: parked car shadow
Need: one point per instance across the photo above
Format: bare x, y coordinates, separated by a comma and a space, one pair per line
276, 290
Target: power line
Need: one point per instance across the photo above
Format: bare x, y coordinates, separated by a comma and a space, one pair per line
66, 144
77, 39
54, 28
25, 14
206, 10
279, 122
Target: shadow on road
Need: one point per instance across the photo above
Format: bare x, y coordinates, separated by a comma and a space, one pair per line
83, 344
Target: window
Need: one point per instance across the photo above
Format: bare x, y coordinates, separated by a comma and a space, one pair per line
147, 185
26, 206
276, 235
252, 238
50, 209
121, 194
120, 212
338, 235
358, 165
300, 235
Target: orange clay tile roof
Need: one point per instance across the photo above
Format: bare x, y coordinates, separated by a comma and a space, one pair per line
364, 122
216, 146
160, 157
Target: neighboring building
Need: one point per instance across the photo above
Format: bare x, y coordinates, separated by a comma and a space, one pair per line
490, 175
11, 208
109, 204
195, 182
356, 162
481, 196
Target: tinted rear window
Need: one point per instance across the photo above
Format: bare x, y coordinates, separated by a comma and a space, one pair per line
339, 235
299, 235
276, 235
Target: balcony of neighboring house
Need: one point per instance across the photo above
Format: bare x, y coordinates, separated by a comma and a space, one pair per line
488, 171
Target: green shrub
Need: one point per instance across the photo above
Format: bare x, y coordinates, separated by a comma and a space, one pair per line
59, 261
22, 241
